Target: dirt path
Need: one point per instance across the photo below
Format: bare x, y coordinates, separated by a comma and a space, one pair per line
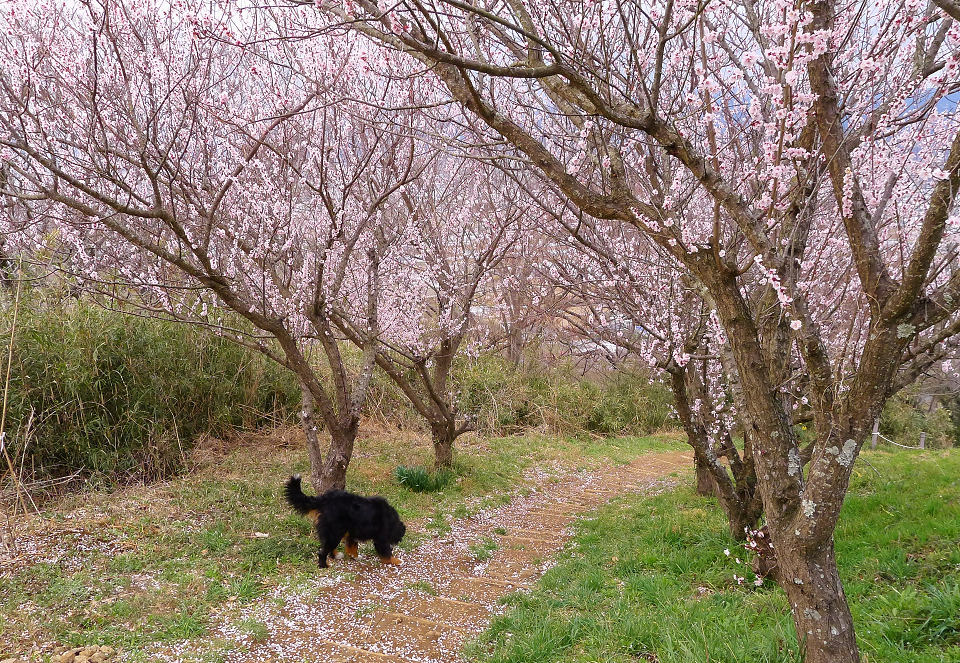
442, 595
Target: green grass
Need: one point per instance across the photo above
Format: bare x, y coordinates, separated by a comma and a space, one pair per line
646, 579
257, 630
159, 561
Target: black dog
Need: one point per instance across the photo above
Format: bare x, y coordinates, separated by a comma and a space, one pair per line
338, 515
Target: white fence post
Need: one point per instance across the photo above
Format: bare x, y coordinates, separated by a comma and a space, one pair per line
876, 433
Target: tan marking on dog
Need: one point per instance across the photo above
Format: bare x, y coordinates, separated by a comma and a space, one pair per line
351, 548
392, 560
313, 515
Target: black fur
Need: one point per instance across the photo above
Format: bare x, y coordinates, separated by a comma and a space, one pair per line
344, 516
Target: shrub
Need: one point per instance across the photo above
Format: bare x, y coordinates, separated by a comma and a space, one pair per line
621, 403
504, 399
493, 392
113, 395
385, 401
421, 480
903, 421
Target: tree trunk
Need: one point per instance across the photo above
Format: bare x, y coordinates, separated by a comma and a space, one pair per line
820, 611
330, 473
807, 572
444, 435
706, 484
309, 422
738, 498
333, 474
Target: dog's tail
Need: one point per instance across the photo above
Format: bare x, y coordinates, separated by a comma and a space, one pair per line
294, 494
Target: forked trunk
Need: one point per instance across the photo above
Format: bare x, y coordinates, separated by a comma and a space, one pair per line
330, 472
821, 614
736, 495
734, 488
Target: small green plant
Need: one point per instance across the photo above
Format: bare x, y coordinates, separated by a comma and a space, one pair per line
257, 630
439, 523
422, 586
484, 550
365, 610
420, 480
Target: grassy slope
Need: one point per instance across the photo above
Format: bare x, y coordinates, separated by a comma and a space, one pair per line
647, 579
149, 564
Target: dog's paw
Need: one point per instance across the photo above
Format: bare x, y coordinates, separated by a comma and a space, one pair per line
338, 555
392, 560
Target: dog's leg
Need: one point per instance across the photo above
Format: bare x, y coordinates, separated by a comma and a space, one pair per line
350, 547
323, 557
385, 552
330, 540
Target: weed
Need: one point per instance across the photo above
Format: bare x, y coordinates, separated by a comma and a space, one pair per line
421, 480
483, 550
439, 524
422, 586
256, 630
366, 610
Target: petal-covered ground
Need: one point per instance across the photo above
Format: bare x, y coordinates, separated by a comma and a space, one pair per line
444, 593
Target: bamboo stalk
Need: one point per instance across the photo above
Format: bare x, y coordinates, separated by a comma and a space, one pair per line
6, 394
